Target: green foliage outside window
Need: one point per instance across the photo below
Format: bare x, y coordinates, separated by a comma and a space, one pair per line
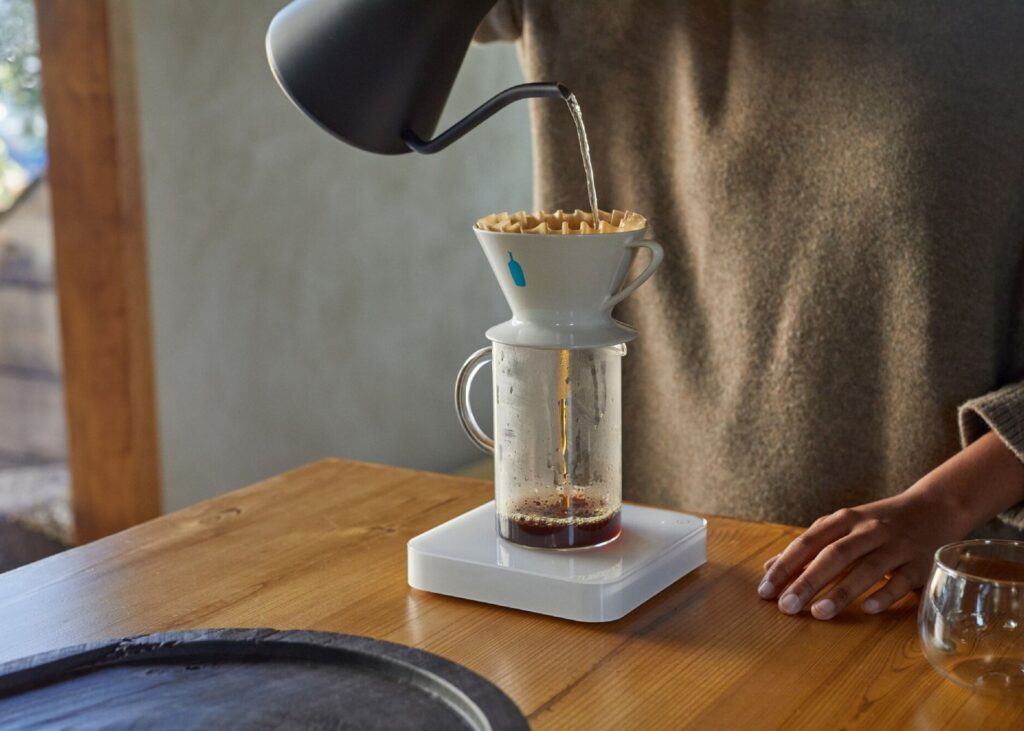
22, 123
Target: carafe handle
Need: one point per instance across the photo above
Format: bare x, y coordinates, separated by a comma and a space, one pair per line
463, 382
657, 254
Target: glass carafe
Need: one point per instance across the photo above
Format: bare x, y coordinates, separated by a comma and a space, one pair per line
558, 441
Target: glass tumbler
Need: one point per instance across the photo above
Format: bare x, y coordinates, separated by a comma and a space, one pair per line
971, 618
558, 441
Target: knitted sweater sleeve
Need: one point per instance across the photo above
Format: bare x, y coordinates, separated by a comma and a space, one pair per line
1000, 411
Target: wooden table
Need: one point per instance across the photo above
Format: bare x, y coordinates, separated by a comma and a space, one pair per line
323, 547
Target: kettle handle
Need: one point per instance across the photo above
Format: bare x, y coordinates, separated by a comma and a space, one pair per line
463, 382
499, 101
657, 255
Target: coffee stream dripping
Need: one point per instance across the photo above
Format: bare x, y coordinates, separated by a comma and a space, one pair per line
563, 419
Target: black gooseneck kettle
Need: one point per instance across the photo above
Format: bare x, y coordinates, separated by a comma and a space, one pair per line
377, 73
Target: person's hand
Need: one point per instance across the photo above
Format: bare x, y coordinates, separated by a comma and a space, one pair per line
895, 537
842, 555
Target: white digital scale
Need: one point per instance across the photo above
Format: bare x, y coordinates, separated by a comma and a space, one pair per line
465, 558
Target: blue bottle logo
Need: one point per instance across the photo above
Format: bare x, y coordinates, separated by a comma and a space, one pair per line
516, 271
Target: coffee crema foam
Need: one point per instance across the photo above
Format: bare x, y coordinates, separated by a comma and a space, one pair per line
562, 222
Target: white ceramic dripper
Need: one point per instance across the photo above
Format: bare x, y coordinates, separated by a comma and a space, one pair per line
562, 287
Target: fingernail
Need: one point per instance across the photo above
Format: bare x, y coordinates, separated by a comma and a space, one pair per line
825, 609
872, 606
790, 604
766, 589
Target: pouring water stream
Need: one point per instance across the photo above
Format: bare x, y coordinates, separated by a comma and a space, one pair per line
588, 167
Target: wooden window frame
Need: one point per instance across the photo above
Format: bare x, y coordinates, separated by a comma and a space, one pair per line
101, 273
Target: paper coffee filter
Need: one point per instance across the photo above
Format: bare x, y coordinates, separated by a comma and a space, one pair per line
562, 222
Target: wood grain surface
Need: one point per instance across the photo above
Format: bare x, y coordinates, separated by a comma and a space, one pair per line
323, 547
100, 257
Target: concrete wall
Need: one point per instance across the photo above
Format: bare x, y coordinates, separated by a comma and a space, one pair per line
308, 299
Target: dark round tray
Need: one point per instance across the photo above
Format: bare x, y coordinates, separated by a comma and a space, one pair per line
249, 678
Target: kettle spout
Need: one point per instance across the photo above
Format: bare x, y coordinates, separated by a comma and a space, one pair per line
470, 121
